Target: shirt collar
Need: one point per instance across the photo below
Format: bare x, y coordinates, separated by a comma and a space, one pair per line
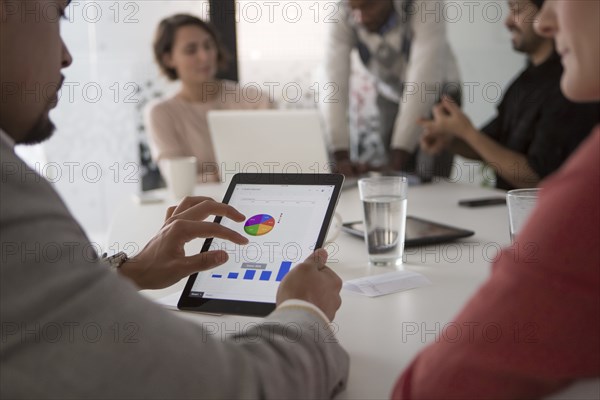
547, 63
7, 139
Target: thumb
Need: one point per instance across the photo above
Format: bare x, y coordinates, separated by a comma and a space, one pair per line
450, 104
427, 126
427, 135
423, 121
319, 257
170, 212
203, 261
439, 111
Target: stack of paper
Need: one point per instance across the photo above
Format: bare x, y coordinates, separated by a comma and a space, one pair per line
379, 285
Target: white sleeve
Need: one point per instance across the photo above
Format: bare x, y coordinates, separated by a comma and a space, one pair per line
340, 42
431, 64
297, 303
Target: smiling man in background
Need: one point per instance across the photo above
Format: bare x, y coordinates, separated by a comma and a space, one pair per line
536, 128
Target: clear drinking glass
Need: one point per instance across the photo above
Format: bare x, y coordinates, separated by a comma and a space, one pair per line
384, 203
521, 203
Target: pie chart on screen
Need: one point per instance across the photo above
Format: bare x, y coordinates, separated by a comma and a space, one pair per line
259, 225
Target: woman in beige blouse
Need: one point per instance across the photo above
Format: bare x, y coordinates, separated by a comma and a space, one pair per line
188, 49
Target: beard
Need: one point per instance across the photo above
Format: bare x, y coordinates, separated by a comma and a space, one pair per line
43, 128
517, 40
526, 43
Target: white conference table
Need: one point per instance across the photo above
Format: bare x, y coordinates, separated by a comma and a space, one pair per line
381, 334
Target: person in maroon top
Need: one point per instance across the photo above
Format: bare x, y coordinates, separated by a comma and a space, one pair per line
548, 306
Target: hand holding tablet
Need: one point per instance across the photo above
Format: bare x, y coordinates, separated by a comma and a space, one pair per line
314, 282
287, 217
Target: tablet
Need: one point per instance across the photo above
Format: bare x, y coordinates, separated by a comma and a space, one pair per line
287, 218
419, 232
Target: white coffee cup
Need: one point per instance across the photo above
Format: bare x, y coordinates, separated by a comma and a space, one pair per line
180, 174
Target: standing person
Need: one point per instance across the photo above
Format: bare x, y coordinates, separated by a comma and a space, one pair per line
189, 50
403, 45
545, 309
72, 328
536, 128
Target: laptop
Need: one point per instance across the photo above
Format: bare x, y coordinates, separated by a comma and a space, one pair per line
268, 141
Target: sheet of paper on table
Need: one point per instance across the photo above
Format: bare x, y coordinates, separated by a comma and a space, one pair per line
392, 282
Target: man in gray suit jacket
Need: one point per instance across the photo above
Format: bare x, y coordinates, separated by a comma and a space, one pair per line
71, 328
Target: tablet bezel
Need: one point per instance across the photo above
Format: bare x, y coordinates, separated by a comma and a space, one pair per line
249, 308
457, 233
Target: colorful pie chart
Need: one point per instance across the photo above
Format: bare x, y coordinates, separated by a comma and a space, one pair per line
259, 225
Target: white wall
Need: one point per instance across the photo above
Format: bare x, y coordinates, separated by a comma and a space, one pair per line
93, 155
282, 46
277, 45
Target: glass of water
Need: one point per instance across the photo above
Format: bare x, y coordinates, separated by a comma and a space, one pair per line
384, 201
521, 203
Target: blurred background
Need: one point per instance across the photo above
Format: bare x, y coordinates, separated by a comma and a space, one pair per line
98, 156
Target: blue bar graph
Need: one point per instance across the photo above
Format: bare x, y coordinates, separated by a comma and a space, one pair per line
283, 270
250, 274
265, 275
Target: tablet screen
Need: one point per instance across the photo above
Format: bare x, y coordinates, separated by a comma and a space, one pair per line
283, 223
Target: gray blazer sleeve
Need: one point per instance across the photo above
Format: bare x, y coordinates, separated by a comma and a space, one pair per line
72, 329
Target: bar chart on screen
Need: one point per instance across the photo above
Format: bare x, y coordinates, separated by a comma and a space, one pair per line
250, 272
